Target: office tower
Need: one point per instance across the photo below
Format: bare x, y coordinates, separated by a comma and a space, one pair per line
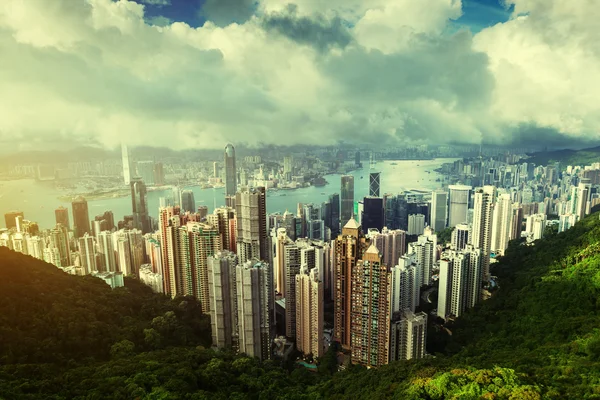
481, 232
204, 241
405, 285
139, 204
347, 190
370, 315
349, 248
107, 221
215, 169
106, 249
127, 165
62, 216
439, 210
159, 174
36, 247
255, 305
252, 236
396, 212
459, 237
59, 238
223, 299
373, 213
202, 212
374, 184
407, 336
289, 224
416, 224
288, 163
188, 204
517, 221
145, 171
357, 162
123, 252
334, 216
425, 253
309, 312
87, 254
81, 217
458, 204
501, 225
230, 171
10, 219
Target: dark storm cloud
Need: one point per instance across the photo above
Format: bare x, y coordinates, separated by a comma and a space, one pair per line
225, 12
530, 135
316, 31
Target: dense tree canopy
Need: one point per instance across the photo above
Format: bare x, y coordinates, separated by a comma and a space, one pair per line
64, 337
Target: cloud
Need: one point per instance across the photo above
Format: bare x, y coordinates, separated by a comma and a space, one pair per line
316, 31
157, 3
372, 72
225, 12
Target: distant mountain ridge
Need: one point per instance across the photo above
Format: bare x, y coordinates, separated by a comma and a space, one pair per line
566, 156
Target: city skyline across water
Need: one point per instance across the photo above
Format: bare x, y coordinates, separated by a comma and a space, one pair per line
41, 200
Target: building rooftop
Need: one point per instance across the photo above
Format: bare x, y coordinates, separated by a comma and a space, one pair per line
352, 224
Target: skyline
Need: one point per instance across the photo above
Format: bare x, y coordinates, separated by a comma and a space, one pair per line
436, 71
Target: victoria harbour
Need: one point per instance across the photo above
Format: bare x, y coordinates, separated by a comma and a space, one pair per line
38, 200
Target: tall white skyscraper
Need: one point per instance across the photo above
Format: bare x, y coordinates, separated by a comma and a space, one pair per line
416, 224
458, 204
459, 237
502, 224
87, 253
481, 232
106, 249
127, 166
407, 336
425, 254
405, 285
459, 281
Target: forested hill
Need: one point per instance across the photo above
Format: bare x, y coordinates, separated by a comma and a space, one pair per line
66, 337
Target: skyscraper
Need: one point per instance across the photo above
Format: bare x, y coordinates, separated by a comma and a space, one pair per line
481, 232
408, 333
62, 216
230, 171
459, 204
10, 218
439, 210
188, 204
204, 242
460, 237
223, 299
425, 253
139, 204
370, 315
59, 239
373, 213
106, 249
334, 215
252, 236
255, 305
374, 184
87, 254
391, 244
81, 217
347, 190
416, 224
309, 312
502, 224
159, 174
145, 170
127, 167
349, 248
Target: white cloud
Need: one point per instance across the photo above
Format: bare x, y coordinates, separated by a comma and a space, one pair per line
96, 70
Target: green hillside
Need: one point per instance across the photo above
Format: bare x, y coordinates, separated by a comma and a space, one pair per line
566, 157
64, 337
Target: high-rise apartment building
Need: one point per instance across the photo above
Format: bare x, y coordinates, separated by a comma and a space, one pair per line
391, 244
370, 311
374, 184
425, 254
139, 204
481, 232
459, 237
517, 221
204, 242
439, 210
230, 171
347, 191
59, 239
252, 235
458, 204
502, 224
87, 254
81, 217
349, 248
62, 216
405, 284
225, 220
255, 305
416, 224
309, 312
106, 249
407, 336
223, 299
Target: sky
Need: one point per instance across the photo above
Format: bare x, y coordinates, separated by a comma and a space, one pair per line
203, 73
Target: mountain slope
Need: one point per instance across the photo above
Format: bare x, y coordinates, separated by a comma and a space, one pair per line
566, 157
